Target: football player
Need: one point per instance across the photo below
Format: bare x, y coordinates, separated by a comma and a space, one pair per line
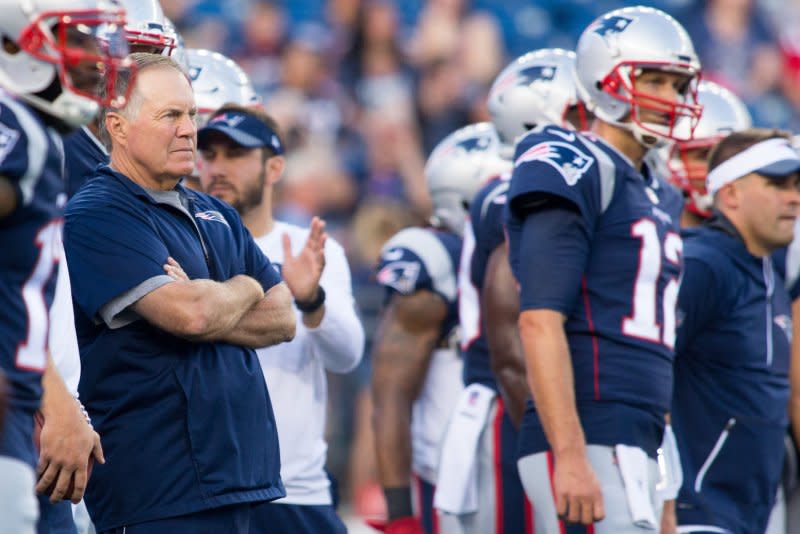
594, 244
242, 160
535, 89
51, 65
416, 363
723, 114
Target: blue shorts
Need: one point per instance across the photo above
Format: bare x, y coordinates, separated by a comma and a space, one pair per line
16, 438
226, 520
277, 518
55, 518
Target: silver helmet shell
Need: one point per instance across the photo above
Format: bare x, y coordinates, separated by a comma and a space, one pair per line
47, 33
218, 80
456, 169
147, 27
536, 88
723, 114
615, 49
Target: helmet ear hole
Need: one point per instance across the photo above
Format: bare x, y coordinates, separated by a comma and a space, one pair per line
10, 47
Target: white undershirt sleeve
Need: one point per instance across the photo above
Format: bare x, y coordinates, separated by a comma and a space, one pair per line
339, 339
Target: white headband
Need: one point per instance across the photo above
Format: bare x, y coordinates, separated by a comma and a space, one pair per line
757, 157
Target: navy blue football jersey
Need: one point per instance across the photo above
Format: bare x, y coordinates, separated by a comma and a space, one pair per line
483, 234
84, 153
620, 325
423, 258
731, 381
31, 157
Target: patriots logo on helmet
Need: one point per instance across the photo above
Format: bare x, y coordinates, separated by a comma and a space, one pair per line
477, 143
194, 73
612, 25
527, 76
570, 162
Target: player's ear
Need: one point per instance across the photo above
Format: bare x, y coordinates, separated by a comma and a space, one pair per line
116, 126
275, 167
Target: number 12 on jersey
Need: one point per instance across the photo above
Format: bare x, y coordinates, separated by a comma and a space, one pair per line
642, 323
32, 353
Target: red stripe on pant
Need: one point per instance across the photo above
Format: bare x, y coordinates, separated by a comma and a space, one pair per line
550, 465
530, 526
497, 428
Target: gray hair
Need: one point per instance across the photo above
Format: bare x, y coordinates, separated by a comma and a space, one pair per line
142, 61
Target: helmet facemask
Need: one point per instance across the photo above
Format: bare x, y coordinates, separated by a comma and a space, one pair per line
642, 108
88, 50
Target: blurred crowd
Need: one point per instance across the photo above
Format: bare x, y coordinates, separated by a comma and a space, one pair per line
364, 89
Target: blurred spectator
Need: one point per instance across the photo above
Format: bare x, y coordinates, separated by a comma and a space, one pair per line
263, 33
481, 52
374, 67
736, 47
441, 103
437, 32
395, 163
314, 184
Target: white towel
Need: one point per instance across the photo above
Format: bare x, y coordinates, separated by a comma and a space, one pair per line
669, 466
457, 481
633, 467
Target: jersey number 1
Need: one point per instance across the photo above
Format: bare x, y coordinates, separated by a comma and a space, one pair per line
32, 353
642, 322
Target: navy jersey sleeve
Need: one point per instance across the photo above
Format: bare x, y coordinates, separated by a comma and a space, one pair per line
257, 264
699, 300
554, 163
415, 260
23, 148
487, 213
556, 242
111, 248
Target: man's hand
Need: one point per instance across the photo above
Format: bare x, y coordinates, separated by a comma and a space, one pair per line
175, 271
669, 521
303, 272
579, 498
67, 441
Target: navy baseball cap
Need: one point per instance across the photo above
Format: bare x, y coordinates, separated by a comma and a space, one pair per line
243, 129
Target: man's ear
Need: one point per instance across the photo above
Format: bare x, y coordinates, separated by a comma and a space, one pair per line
730, 196
117, 127
275, 168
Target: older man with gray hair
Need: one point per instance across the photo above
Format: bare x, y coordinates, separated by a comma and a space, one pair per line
171, 295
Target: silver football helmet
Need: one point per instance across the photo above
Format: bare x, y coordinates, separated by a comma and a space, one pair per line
217, 80
457, 168
723, 114
615, 49
146, 27
62, 56
178, 51
537, 87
